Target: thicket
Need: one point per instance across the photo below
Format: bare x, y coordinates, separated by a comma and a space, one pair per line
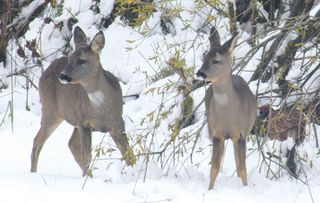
283, 37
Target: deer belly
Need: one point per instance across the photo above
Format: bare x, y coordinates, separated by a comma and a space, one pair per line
99, 128
98, 124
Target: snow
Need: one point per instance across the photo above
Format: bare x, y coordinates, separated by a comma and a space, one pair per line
130, 56
59, 179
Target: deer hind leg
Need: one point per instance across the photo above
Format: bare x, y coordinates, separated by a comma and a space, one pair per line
217, 153
121, 140
239, 145
48, 125
80, 147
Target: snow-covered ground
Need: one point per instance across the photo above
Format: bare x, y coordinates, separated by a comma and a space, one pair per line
130, 56
59, 178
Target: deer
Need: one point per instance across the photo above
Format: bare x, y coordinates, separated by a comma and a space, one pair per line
78, 90
229, 103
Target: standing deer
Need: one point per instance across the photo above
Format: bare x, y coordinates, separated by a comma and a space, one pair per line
230, 105
90, 99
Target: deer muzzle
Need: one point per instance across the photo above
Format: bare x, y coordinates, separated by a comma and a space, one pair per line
201, 74
64, 79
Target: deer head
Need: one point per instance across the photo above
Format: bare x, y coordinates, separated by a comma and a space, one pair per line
84, 62
217, 62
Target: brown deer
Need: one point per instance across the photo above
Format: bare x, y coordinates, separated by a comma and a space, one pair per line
230, 105
90, 100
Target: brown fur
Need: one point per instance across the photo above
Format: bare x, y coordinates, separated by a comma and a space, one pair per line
71, 102
230, 106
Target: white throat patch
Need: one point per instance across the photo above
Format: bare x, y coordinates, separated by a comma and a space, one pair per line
222, 99
96, 98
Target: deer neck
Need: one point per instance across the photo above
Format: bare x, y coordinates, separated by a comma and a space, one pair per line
95, 89
223, 90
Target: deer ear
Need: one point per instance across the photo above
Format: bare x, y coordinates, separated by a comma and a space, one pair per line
231, 43
97, 42
214, 38
79, 38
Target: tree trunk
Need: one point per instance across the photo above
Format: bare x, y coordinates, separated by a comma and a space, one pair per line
5, 10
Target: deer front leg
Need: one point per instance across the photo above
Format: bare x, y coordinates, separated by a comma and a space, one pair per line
217, 153
121, 140
239, 145
80, 147
75, 147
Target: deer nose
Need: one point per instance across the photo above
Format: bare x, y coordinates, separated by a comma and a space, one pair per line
201, 74
64, 78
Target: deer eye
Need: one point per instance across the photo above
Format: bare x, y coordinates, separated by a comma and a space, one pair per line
215, 61
80, 61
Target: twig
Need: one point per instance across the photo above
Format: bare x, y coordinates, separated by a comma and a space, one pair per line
156, 201
286, 169
136, 182
308, 186
151, 142
5, 114
93, 162
136, 96
196, 140
315, 134
260, 148
171, 140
